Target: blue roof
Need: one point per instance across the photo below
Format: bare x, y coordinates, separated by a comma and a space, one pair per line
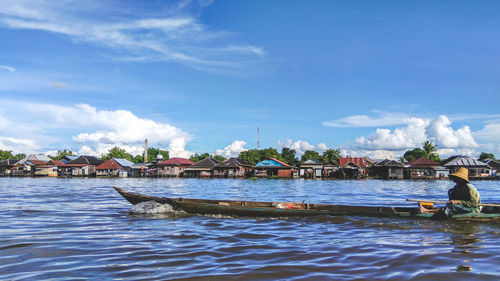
124, 162
268, 163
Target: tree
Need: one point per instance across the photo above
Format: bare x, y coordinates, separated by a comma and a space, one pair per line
154, 152
254, 156
117, 152
310, 154
219, 158
20, 156
430, 150
5, 154
61, 154
415, 153
331, 156
484, 156
288, 156
198, 157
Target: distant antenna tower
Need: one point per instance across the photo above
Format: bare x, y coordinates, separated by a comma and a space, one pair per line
146, 150
258, 137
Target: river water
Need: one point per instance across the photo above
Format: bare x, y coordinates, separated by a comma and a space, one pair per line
81, 229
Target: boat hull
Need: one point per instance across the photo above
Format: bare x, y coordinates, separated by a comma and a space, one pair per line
270, 209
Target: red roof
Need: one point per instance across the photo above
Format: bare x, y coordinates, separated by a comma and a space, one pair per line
423, 162
111, 164
359, 161
176, 161
38, 162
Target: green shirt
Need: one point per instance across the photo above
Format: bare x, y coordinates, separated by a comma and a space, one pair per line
467, 194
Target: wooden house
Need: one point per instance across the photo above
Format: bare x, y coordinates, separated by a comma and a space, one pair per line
201, 169
173, 167
139, 170
114, 167
82, 166
477, 169
53, 168
274, 168
387, 169
354, 167
424, 168
233, 168
330, 170
6, 166
495, 167
311, 168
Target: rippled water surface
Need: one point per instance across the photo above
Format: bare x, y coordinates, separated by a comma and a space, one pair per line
81, 229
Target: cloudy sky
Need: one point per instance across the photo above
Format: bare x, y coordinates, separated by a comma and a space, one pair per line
372, 78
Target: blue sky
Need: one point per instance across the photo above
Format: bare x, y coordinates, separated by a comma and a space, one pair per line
372, 78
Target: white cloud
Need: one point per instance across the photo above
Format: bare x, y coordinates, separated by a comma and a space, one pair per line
418, 130
8, 68
232, 150
444, 136
165, 33
18, 145
490, 132
96, 130
383, 119
373, 154
413, 135
301, 146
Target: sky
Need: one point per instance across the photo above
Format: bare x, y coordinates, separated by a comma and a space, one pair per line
371, 78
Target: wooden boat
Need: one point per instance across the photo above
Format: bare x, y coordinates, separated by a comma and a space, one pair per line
287, 209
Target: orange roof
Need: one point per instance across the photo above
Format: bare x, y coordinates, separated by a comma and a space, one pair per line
359, 161
281, 162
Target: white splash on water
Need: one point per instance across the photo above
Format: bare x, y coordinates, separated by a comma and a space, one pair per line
153, 208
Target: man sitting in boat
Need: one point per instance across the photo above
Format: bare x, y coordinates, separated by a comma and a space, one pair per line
464, 197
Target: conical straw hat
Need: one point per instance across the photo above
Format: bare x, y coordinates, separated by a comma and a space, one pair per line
462, 173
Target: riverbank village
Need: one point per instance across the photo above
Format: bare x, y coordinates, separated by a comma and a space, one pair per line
38, 165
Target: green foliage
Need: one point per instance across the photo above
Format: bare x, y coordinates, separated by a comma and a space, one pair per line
198, 157
310, 154
483, 156
5, 154
288, 156
117, 152
331, 155
61, 154
138, 159
428, 151
219, 158
254, 156
20, 156
415, 153
154, 152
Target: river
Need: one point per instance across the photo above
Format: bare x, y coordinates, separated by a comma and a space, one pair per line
81, 229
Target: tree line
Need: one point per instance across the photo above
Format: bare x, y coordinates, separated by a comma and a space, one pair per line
252, 156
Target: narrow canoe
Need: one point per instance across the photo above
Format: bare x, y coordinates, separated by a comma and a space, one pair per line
285, 209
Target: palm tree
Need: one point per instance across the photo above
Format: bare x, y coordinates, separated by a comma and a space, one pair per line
430, 150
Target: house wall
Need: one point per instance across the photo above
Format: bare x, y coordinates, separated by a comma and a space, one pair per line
171, 171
